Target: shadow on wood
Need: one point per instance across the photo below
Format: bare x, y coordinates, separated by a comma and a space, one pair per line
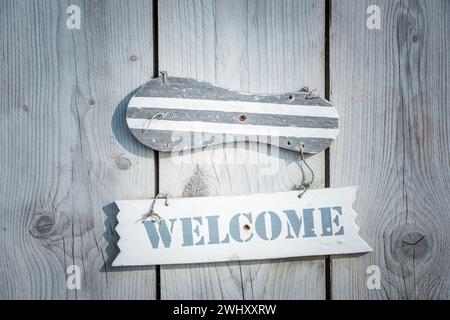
122, 133
111, 210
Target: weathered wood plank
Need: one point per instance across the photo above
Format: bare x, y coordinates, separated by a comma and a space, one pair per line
390, 87
251, 46
66, 152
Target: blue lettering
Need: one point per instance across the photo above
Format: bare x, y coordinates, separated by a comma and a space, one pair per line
261, 228
163, 232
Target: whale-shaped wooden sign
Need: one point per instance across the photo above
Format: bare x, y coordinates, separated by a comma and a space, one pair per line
175, 114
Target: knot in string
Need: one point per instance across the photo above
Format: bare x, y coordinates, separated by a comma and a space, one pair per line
151, 212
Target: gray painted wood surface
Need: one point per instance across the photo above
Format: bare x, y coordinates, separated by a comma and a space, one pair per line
390, 87
66, 152
251, 46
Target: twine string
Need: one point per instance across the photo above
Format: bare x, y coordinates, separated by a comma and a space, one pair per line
305, 185
164, 75
156, 116
151, 212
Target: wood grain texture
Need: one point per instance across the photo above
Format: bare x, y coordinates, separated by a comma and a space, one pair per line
251, 46
66, 152
390, 87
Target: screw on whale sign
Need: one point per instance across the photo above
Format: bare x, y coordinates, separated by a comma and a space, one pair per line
175, 114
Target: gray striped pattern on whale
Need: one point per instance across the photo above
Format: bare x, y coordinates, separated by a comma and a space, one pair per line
233, 117
184, 114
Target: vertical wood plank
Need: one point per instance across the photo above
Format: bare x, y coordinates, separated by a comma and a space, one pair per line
251, 46
391, 89
66, 152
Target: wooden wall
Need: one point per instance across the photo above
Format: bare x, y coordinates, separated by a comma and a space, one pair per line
66, 154
391, 90
255, 46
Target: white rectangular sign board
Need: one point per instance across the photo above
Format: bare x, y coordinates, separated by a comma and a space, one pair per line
248, 227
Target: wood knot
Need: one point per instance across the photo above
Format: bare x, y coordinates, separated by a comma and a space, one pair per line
406, 247
414, 245
123, 163
42, 225
25, 108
